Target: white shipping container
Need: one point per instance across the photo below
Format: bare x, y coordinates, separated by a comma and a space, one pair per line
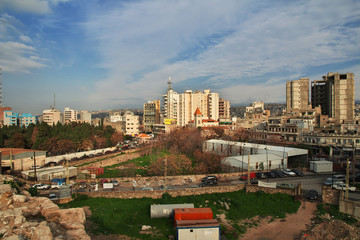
321, 166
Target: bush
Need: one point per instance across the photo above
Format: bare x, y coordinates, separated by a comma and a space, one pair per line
166, 196
33, 191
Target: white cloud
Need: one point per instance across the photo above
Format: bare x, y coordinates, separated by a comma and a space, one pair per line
141, 45
30, 6
17, 55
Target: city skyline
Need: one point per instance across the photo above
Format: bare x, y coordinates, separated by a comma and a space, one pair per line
99, 55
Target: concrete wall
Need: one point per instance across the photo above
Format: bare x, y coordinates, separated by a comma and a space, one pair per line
256, 188
349, 207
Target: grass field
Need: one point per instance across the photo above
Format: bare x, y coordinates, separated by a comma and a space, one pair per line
126, 216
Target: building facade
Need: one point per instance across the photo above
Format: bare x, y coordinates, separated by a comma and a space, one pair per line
132, 123
151, 114
297, 94
52, 116
335, 93
85, 116
70, 115
18, 119
180, 108
224, 109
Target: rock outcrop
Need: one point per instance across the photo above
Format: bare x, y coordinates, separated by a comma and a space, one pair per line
38, 218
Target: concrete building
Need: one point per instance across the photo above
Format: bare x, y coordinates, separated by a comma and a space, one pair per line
180, 108
85, 116
335, 93
297, 94
132, 123
1, 100
255, 116
116, 117
2, 110
224, 109
18, 119
52, 116
70, 115
21, 159
237, 154
151, 115
49, 173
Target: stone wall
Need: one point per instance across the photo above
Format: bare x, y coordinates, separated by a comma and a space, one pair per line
158, 193
256, 188
330, 196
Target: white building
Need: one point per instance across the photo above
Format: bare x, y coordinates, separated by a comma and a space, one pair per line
85, 116
52, 116
70, 115
116, 117
271, 157
132, 123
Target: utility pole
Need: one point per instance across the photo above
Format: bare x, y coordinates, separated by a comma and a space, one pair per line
248, 173
67, 172
347, 180
353, 165
165, 172
35, 168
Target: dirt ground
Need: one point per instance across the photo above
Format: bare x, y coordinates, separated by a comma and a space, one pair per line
287, 229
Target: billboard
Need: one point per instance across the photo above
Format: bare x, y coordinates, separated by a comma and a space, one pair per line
169, 121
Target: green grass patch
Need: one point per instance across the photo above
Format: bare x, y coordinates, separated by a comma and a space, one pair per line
333, 211
126, 216
99, 160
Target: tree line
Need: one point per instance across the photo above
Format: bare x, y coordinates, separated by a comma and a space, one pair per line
60, 138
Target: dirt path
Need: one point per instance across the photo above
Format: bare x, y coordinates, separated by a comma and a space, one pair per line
280, 229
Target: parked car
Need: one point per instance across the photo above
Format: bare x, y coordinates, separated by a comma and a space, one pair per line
285, 185
260, 175
278, 173
245, 176
288, 172
329, 182
312, 194
297, 172
342, 186
209, 178
52, 196
270, 174
115, 182
57, 186
41, 186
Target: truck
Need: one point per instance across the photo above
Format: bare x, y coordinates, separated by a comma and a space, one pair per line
57, 182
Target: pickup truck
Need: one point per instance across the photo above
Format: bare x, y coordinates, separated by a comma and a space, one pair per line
343, 187
57, 186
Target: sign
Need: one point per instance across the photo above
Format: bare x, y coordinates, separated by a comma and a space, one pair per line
169, 121
108, 185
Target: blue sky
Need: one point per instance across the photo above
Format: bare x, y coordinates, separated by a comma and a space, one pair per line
103, 54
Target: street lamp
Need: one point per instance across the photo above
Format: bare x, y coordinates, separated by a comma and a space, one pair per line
242, 159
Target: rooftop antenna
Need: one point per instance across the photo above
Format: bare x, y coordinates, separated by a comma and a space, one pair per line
169, 83
54, 100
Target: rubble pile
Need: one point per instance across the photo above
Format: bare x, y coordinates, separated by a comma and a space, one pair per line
332, 229
25, 217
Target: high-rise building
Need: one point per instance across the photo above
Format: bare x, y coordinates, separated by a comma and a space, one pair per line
180, 108
224, 109
70, 115
151, 114
1, 102
297, 94
52, 116
132, 123
335, 93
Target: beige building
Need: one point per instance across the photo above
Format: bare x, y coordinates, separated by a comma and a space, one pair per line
297, 94
52, 116
224, 109
151, 114
180, 108
132, 123
21, 159
335, 93
70, 115
85, 116
255, 116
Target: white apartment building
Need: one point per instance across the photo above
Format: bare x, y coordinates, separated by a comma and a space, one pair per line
52, 116
132, 123
181, 107
116, 117
70, 115
85, 116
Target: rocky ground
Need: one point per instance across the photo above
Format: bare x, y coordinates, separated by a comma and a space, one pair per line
37, 218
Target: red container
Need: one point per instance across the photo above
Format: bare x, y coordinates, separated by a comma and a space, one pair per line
192, 214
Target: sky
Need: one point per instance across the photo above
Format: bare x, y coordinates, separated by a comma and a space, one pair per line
111, 54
